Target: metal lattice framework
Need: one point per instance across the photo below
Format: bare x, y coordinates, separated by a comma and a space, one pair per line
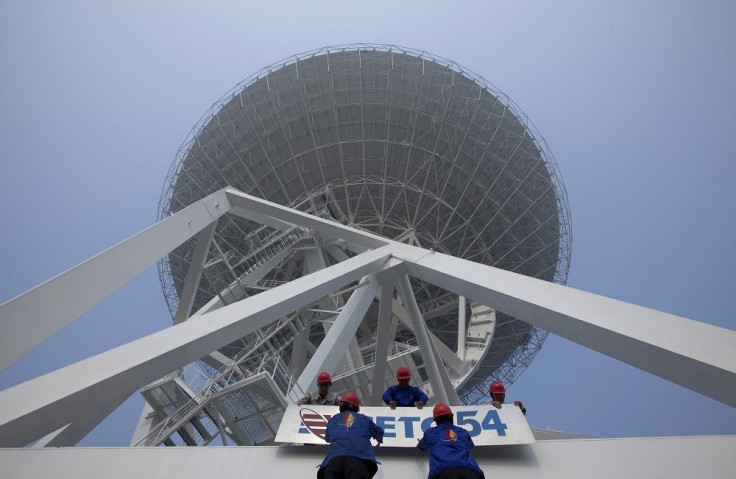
241, 404
399, 142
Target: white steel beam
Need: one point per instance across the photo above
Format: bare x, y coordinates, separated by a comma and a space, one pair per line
706, 457
217, 361
447, 355
273, 222
29, 319
435, 368
299, 352
48, 437
260, 271
314, 260
194, 273
35, 408
330, 228
336, 341
394, 270
146, 422
85, 421
383, 339
695, 355
353, 354
461, 327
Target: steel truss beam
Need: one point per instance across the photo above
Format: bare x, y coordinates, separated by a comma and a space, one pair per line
337, 339
31, 318
696, 355
194, 274
441, 385
383, 337
39, 406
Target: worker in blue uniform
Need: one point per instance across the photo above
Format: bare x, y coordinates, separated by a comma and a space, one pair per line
403, 395
449, 447
350, 453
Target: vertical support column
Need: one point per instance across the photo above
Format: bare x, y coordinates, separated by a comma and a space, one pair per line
356, 358
384, 336
461, 327
448, 355
299, 352
315, 260
333, 347
434, 365
194, 274
31, 410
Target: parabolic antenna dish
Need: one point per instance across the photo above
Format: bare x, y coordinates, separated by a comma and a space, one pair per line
395, 141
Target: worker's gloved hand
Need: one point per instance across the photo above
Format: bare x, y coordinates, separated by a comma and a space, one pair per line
497, 404
392, 404
521, 406
419, 404
378, 444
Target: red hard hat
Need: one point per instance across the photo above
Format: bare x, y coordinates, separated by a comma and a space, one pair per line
403, 373
324, 377
497, 388
351, 398
441, 409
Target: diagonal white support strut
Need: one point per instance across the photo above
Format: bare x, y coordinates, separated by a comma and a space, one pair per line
35, 408
383, 337
337, 339
695, 355
31, 318
441, 385
194, 273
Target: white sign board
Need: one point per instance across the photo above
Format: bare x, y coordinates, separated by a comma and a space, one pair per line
404, 426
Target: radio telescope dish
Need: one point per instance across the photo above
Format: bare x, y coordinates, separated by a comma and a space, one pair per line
401, 143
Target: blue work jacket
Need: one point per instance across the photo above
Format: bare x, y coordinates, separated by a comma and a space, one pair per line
349, 434
404, 397
450, 446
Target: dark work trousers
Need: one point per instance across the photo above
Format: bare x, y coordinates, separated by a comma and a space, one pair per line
458, 473
347, 467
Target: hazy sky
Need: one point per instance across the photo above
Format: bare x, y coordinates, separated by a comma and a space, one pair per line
637, 101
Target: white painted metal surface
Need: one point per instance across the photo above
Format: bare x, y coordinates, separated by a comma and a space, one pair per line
437, 372
676, 457
696, 355
338, 337
382, 340
191, 282
37, 407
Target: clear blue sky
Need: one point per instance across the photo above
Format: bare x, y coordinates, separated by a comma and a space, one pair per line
637, 101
